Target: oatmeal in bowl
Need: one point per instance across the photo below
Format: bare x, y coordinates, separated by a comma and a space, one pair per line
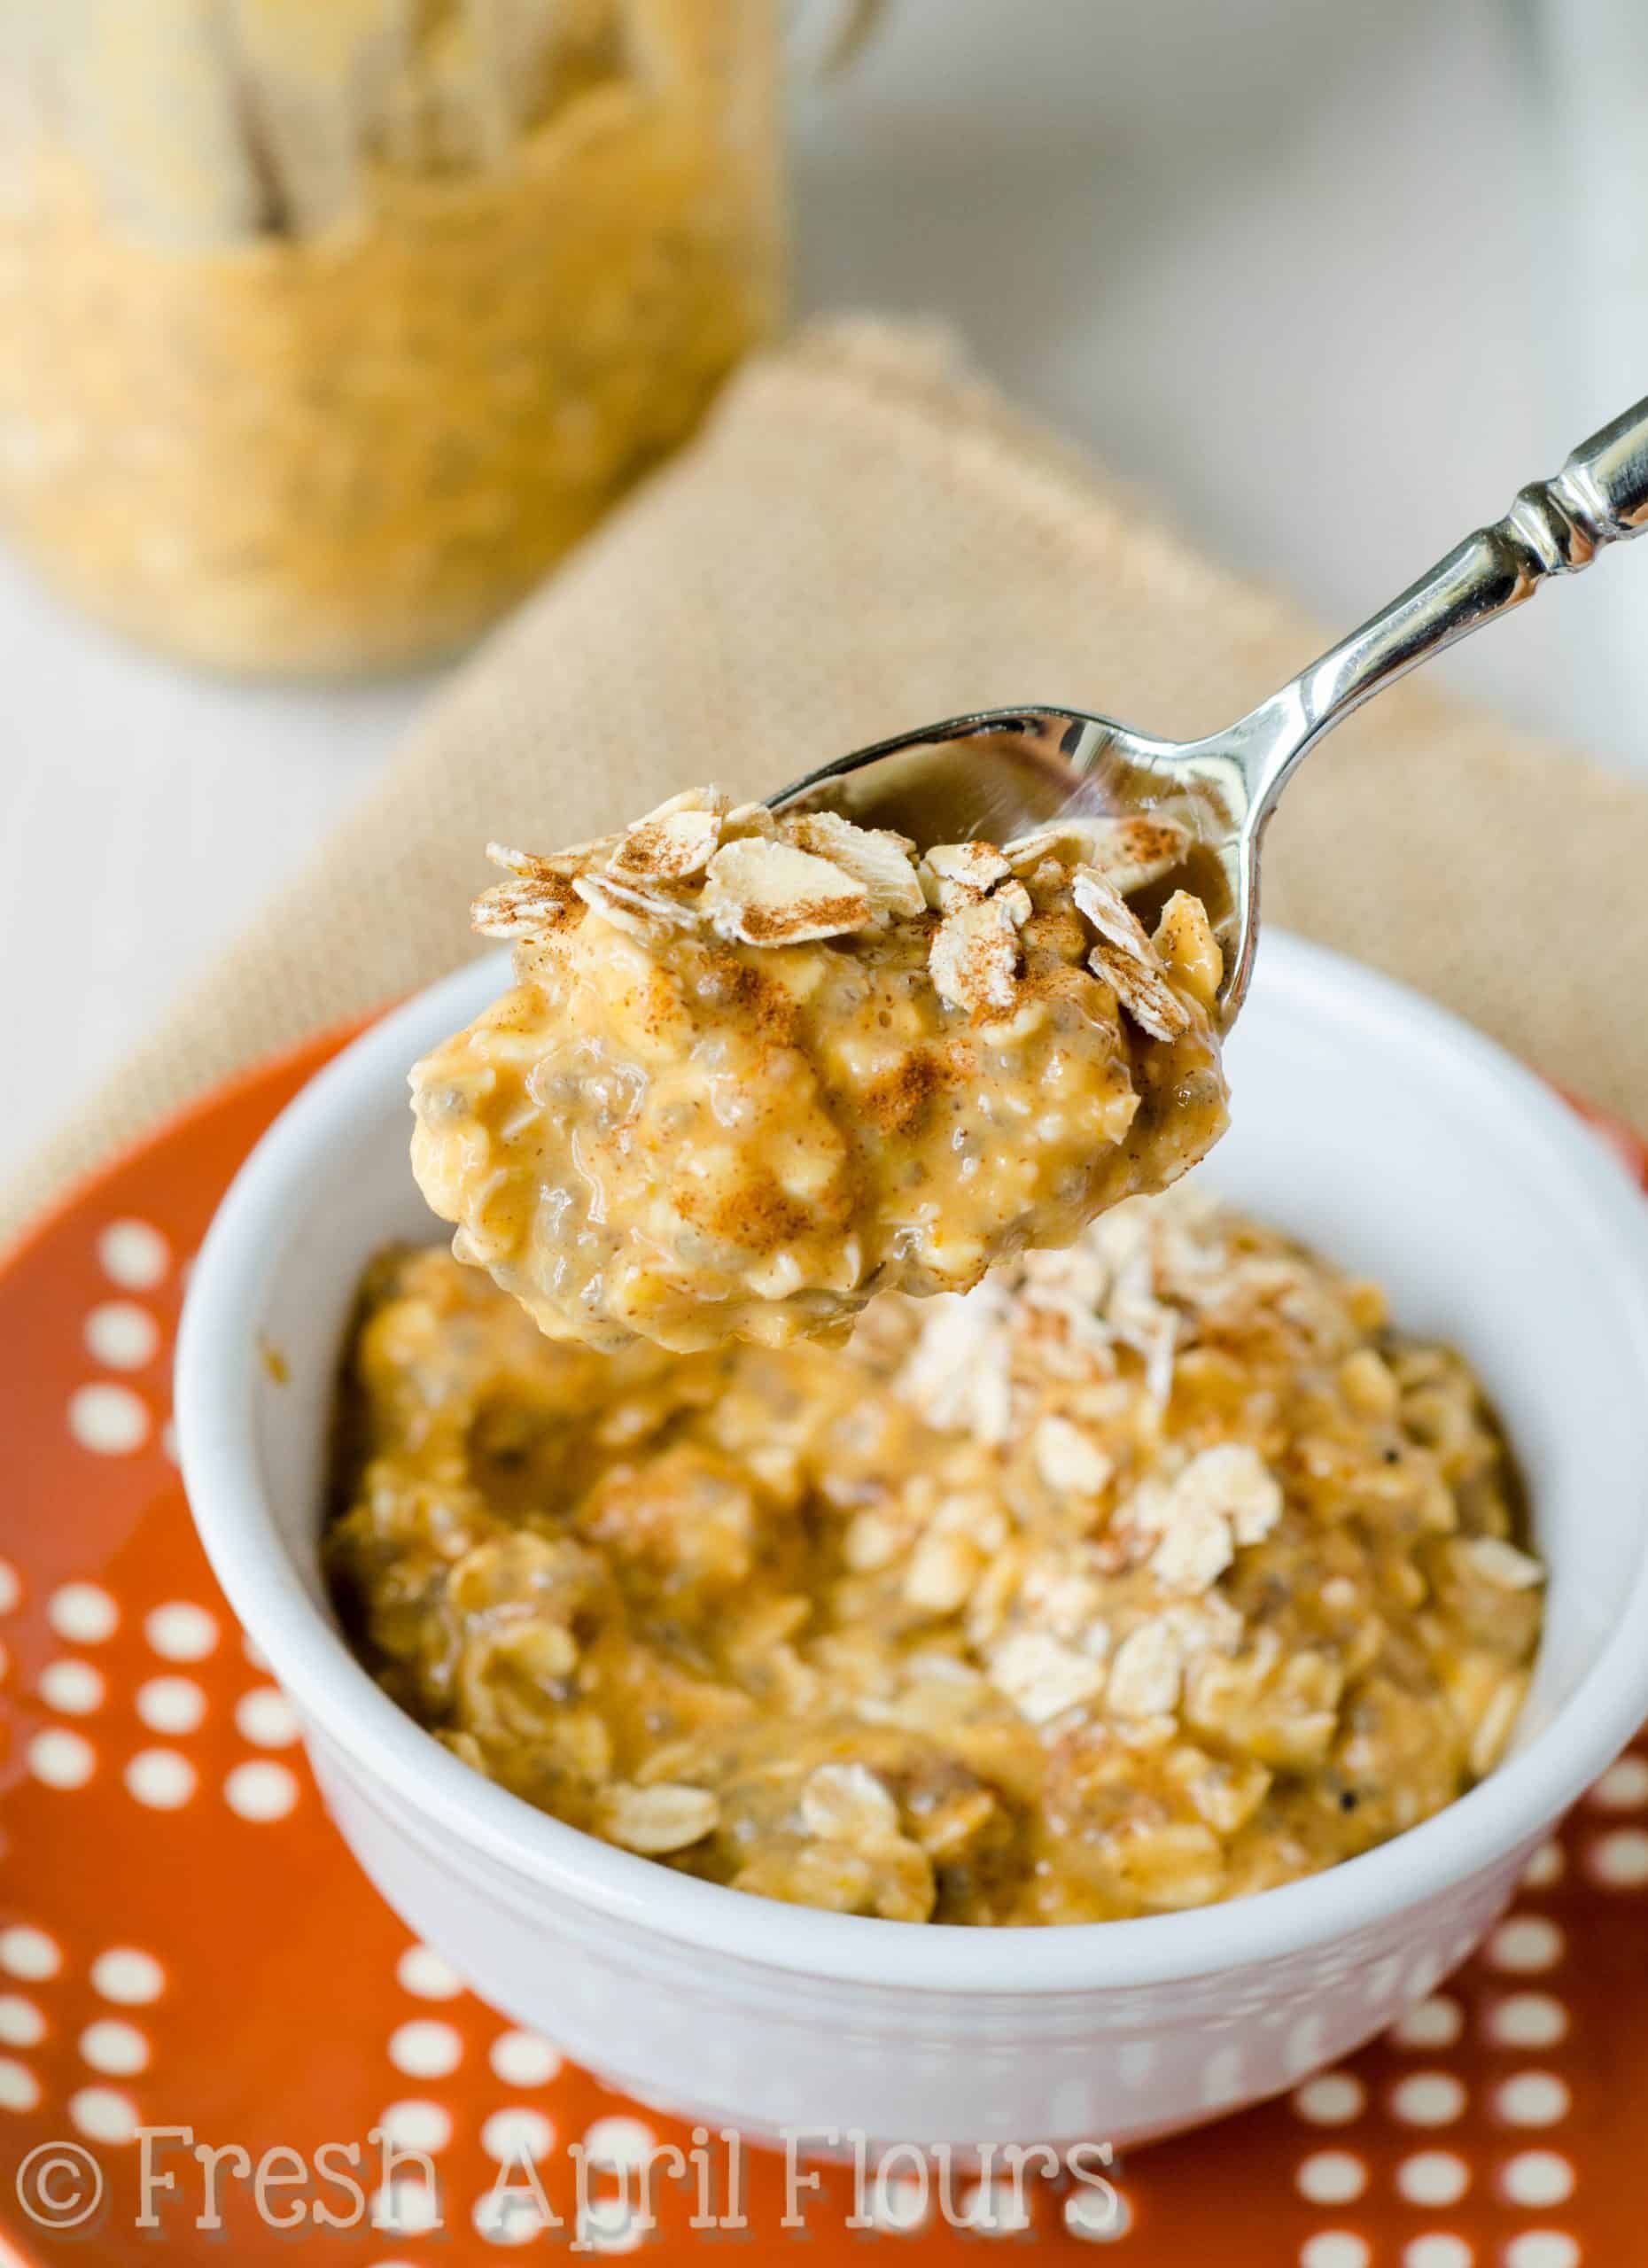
755, 1070
1156, 1570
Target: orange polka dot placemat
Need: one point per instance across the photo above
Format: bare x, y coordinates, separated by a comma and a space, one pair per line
197, 1985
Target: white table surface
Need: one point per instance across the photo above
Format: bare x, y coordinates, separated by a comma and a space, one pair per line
1273, 260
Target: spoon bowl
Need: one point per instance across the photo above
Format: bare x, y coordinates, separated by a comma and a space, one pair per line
1001, 771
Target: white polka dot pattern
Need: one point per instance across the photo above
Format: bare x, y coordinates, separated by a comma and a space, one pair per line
261, 1790
424, 2049
180, 1631
73, 1688
29, 1952
266, 1718
1099, 2218
1620, 1860
1542, 2249
517, 2134
1526, 2020
22, 2023
122, 1335
171, 1704
1533, 2099
421, 1970
161, 1778
11, 1587
104, 2114
114, 2047
127, 1976
1330, 2178
1623, 1786
1546, 1868
1437, 2249
108, 1420
1432, 2178
405, 2207
61, 1758
610, 2225
133, 1256
1526, 1944
507, 2217
19, 2089
620, 2142
1537, 2178
83, 1613
521, 2058
1427, 2099
414, 2125
1334, 2248
1332, 2100
1435, 2023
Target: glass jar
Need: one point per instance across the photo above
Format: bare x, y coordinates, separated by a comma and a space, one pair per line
327, 325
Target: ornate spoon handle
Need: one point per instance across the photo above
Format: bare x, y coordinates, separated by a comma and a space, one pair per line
1555, 527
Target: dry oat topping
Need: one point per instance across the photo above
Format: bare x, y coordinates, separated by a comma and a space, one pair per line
755, 1069
1155, 1571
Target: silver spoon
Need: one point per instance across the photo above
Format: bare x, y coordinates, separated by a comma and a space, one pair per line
1003, 771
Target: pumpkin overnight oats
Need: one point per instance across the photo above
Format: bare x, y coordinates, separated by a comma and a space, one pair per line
755, 1070
327, 326
1156, 1570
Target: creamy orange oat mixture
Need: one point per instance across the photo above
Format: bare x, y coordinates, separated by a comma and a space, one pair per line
1155, 1572
755, 1070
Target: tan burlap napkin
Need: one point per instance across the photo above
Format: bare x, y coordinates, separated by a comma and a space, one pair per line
865, 537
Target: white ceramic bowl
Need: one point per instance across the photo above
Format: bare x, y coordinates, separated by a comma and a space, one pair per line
1384, 1131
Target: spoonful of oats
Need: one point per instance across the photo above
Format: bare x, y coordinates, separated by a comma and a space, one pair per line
761, 1063
756, 1068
